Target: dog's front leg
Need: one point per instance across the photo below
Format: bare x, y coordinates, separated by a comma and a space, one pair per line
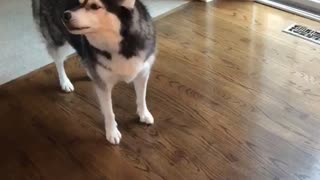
140, 85
113, 135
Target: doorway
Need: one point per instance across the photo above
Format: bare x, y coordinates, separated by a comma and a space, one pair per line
306, 8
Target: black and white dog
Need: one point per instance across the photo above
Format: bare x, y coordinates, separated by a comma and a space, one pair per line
115, 39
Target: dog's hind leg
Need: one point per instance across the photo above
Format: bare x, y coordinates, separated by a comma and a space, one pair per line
59, 55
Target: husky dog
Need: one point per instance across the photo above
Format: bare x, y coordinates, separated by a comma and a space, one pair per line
116, 42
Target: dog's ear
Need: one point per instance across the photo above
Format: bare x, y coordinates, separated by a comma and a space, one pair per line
128, 3
83, 2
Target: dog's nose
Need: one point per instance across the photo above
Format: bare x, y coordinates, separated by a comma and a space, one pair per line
67, 16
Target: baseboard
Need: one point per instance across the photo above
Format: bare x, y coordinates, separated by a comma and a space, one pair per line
156, 18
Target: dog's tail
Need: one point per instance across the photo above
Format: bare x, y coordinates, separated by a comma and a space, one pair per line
36, 10
46, 23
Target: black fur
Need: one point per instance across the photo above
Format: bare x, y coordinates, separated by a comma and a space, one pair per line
106, 54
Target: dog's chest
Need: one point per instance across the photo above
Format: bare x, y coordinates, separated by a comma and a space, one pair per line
120, 68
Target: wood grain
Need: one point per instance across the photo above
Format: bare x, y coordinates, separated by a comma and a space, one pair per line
233, 98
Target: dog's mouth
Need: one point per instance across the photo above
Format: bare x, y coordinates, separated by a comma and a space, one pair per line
72, 28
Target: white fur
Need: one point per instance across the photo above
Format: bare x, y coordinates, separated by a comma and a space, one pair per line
59, 55
128, 3
134, 69
112, 133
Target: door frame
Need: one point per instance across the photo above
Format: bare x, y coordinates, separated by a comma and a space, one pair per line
298, 8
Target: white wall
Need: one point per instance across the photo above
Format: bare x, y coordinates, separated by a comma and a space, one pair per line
21, 49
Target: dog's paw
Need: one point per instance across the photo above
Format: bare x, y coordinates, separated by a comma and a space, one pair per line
146, 118
66, 86
113, 135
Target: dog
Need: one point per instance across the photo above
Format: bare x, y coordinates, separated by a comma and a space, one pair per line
116, 41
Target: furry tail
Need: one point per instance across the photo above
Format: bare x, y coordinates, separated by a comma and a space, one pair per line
36, 8
47, 23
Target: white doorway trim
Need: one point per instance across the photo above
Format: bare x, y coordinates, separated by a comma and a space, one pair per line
291, 9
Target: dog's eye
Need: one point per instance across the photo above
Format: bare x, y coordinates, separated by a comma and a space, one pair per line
94, 7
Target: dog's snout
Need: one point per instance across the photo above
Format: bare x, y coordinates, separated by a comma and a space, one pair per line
67, 16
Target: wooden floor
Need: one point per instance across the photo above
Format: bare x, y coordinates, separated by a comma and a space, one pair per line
233, 98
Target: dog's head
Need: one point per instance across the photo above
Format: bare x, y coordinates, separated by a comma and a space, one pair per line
94, 16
